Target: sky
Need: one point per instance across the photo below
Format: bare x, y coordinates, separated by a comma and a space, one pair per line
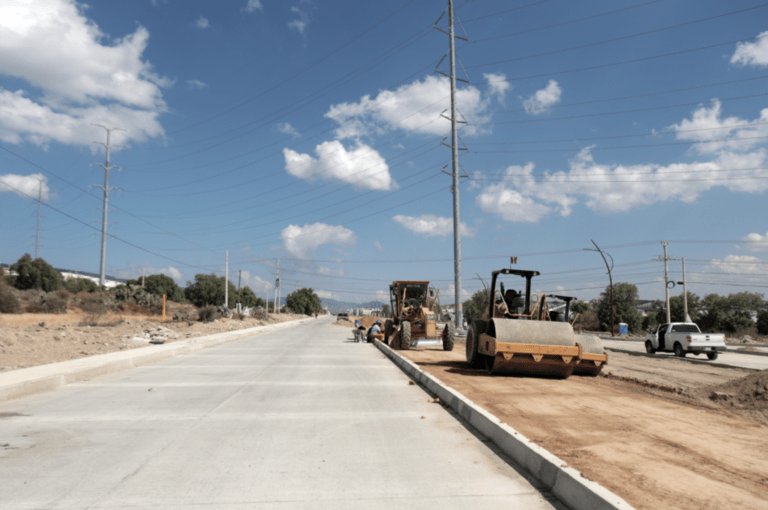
312, 133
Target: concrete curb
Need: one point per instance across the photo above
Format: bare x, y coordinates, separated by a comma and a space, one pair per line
31, 381
566, 483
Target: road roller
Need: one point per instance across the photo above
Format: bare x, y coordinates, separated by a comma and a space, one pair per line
515, 336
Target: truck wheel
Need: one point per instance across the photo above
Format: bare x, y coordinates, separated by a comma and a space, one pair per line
679, 352
405, 336
649, 347
449, 337
712, 355
388, 330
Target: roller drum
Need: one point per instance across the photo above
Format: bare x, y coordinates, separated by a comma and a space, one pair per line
533, 332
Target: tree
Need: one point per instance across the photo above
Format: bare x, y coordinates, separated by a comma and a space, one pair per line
208, 289
475, 306
579, 307
385, 310
159, 284
730, 314
624, 307
677, 309
36, 274
762, 322
304, 301
248, 298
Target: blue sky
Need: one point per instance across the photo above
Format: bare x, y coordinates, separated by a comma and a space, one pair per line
309, 131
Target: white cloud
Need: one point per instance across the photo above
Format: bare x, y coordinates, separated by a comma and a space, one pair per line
498, 85
752, 53
27, 186
452, 294
543, 99
253, 6
256, 283
135, 272
361, 166
706, 125
431, 225
377, 245
618, 188
302, 242
743, 264
202, 22
288, 130
756, 242
77, 74
327, 295
301, 23
414, 107
197, 84
383, 296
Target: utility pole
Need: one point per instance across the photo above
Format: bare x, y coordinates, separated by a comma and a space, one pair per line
106, 188
455, 165
239, 277
666, 280
685, 295
277, 287
39, 203
226, 279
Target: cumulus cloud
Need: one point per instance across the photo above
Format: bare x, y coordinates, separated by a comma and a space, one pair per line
431, 225
202, 22
543, 99
197, 84
253, 6
324, 294
255, 282
498, 86
77, 74
415, 107
303, 242
361, 166
742, 264
756, 242
524, 197
288, 130
752, 53
27, 186
715, 133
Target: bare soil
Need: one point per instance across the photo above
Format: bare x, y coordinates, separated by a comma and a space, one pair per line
32, 339
657, 432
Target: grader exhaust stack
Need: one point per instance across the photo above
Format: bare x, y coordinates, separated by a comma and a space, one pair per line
519, 337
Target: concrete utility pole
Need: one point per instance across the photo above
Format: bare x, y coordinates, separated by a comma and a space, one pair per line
106, 188
226, 279
666, 280
277, 287
685, 296
39, 203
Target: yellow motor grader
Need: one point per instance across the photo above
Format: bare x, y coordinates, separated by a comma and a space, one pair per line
515, 337
414, 321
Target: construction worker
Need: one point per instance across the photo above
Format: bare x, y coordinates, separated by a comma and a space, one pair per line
375, 329
359, 331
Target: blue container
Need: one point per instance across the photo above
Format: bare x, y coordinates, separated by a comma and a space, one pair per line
623, 328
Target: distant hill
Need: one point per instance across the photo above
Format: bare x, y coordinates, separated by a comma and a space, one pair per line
335, 306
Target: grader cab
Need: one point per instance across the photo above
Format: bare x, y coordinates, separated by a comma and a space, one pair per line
517, 336
414, 321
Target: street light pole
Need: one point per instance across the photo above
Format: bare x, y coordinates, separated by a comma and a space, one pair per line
610, 277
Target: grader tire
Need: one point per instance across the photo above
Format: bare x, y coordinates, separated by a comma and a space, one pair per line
405, 336
449, 337
388, 330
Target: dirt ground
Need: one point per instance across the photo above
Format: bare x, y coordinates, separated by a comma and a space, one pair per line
31, 339
662, 434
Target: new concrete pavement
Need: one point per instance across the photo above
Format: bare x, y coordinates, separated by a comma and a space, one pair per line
296, 418
730, 357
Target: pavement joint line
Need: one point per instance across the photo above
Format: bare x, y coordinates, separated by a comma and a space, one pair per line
30, 381
566, 483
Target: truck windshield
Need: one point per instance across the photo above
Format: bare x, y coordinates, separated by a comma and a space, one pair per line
685, 328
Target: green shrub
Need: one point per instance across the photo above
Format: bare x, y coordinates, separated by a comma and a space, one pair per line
78, 285
35, 274
207, 313
9, 303
135, 298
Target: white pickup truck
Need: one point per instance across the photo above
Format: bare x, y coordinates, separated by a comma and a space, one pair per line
682, 338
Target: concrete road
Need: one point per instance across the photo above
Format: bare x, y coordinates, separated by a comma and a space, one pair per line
299, 418
730, 357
